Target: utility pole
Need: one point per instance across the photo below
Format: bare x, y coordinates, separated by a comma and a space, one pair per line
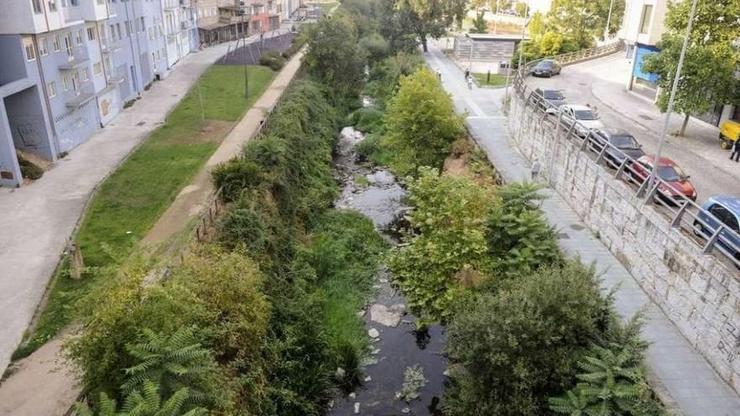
244, 52
608, 21
671, 99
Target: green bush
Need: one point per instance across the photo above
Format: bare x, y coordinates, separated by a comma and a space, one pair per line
421, 123
273, 60
447, 248
372, 149
368, 120
385, 75
374, 46
521, 345
334, 56
29, 170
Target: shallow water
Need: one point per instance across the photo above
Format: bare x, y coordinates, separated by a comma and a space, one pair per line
380, 198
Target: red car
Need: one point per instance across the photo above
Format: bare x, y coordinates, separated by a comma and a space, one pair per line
675, 181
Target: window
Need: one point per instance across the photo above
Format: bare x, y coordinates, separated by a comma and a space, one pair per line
65, 82
647, 13
78, 37
151, 33
90, 33
53, 5
51, 89
128, 28
118, 29
74, 3
100, 2
30, 51
37, 8
85, 74
43, 48
55, 43
97, 68
143, 25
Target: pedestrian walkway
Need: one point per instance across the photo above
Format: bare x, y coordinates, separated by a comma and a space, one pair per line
683, 378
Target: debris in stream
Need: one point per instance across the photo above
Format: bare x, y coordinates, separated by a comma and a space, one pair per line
413, 381
373, 333
388, 316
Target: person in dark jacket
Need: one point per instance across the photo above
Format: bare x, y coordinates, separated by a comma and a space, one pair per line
735, 155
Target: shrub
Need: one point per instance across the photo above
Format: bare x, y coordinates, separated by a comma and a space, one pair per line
520, 345
334, 56
447, 249
420, 123
273, 60
375, 47
385, 75
519, 239
373, 150
29, 170
369, 120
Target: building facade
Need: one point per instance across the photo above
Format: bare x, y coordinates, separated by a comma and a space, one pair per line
225, 20
70, 66
642, 28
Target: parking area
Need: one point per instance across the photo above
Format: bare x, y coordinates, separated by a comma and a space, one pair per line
601, 83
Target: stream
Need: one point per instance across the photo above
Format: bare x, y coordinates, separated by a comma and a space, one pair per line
399, 356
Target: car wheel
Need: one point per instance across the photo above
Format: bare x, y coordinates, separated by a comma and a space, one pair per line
724, 144
698, 229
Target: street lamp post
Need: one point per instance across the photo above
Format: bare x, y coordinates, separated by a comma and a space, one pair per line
671, 99
244, 53
521, 51
608, 20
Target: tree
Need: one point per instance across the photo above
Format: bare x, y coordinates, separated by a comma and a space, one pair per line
708, 74
334, 55
447, 249
430, 18
479, 24
519, 345
421, 123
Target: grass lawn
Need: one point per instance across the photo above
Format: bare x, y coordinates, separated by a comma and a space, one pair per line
495, 81
131, 200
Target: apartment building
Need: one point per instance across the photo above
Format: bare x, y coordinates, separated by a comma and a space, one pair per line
70, 66
642, 28
225, 20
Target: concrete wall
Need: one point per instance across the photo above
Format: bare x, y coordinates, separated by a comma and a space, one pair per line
699, 292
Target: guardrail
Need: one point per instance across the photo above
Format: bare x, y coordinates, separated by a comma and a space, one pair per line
578, 56
709, 232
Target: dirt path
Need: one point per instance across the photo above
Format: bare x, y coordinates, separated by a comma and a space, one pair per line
195, 197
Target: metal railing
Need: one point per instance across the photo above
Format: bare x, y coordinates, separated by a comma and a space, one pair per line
708, 231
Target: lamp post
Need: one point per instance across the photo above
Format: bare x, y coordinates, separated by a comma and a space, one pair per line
521, 51
671, 99
244, 53
608, 20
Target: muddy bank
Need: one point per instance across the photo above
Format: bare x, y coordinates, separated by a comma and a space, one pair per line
404, 369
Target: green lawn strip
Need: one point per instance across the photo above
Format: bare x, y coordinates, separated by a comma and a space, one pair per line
495, 80
131, 200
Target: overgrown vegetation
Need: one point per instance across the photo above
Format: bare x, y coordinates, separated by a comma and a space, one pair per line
129, 201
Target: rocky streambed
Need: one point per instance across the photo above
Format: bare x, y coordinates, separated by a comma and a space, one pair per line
404, 369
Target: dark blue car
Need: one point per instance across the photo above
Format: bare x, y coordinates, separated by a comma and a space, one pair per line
725, 210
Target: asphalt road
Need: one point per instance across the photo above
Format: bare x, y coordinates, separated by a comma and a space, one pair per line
602, 83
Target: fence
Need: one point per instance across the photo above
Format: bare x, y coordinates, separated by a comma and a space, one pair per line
683, 257
581, 55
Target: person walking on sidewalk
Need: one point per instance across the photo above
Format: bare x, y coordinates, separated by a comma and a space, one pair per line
467, 73
735, 155
536, 167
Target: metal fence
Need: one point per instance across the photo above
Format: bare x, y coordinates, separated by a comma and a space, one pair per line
581, 55
702, 227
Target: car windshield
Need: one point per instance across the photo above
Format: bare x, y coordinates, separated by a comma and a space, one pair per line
670, 173
585, 115
544, 65
553, 95
625, 142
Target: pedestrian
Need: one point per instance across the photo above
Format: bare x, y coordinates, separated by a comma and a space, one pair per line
735, 155
536, 169
467, 73
470, 83
439, 75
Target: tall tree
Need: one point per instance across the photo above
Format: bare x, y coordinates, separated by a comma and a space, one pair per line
708, 74
585, 20
334, 55
430, 18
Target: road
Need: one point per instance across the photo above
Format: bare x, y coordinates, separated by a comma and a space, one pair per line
602, 83
682, 376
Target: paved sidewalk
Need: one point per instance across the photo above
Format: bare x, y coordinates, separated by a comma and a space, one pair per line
681, 372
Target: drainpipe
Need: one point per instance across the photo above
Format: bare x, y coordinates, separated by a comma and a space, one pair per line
47, 102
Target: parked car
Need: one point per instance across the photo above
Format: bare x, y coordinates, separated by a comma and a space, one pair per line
549, 99
622, 144
586, 117
546, 68
675, 182
726, 210
729, 133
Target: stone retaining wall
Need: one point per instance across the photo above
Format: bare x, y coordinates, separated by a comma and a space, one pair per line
699, 292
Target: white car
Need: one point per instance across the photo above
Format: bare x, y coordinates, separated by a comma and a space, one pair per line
587, 118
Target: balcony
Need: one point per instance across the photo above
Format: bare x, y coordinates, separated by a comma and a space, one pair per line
72, 15
109, 45
75, 58
78, 99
